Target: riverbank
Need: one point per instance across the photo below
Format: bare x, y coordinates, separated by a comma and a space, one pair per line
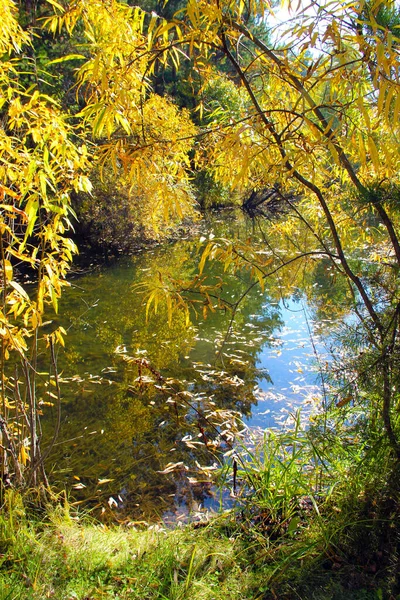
65, 555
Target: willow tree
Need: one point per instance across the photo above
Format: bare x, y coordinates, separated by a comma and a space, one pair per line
45, 155
317, 116
40, 166
321, 120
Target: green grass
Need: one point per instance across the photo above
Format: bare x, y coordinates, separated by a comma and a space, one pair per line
68, 557
64, 557
316, 519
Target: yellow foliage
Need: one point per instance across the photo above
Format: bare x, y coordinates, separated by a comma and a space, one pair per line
315, 121
39, 167
137, 130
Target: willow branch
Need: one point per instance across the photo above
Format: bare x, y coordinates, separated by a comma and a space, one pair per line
328, 132
309, 185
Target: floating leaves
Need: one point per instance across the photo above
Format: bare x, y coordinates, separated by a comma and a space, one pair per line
171, 467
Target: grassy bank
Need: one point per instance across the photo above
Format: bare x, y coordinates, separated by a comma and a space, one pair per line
334, 551
317, 517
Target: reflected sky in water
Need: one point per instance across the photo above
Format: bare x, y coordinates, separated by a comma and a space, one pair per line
291, 359
119, 431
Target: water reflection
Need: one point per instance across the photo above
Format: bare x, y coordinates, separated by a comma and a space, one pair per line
292, 358
124, 424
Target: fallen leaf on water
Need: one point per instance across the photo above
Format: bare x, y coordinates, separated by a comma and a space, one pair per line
171, 467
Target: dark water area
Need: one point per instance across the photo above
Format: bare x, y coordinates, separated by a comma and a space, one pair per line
140, 392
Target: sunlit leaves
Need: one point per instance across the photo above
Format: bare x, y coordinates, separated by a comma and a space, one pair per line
143, 137
39, 167
12, 36
318, 116
317, 104
163, 291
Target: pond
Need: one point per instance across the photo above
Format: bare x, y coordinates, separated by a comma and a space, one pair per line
129, 416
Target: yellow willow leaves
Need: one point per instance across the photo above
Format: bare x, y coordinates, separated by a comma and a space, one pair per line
156, 166
345, 87
145, 138
235, 257
308, 110
292, 93
161, 292
12, 37
39, 166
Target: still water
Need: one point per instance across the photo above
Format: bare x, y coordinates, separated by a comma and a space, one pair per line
125, 422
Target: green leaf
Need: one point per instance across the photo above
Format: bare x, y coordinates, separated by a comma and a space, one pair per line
294, 523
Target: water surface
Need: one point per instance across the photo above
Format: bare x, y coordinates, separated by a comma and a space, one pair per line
121, 430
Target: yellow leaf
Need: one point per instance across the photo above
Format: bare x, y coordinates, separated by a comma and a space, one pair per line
390, 95
18, 288
382, 95
56, 4
374, 153
204, 256
261, 279
8, 270
361, 150
66, 58
149, 303
364, 111
396, 110
5, 190
60, 337
23, 455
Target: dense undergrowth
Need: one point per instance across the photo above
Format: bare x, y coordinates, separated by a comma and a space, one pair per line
282, 540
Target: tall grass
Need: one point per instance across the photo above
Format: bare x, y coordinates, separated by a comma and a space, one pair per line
316, 517
319, 503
